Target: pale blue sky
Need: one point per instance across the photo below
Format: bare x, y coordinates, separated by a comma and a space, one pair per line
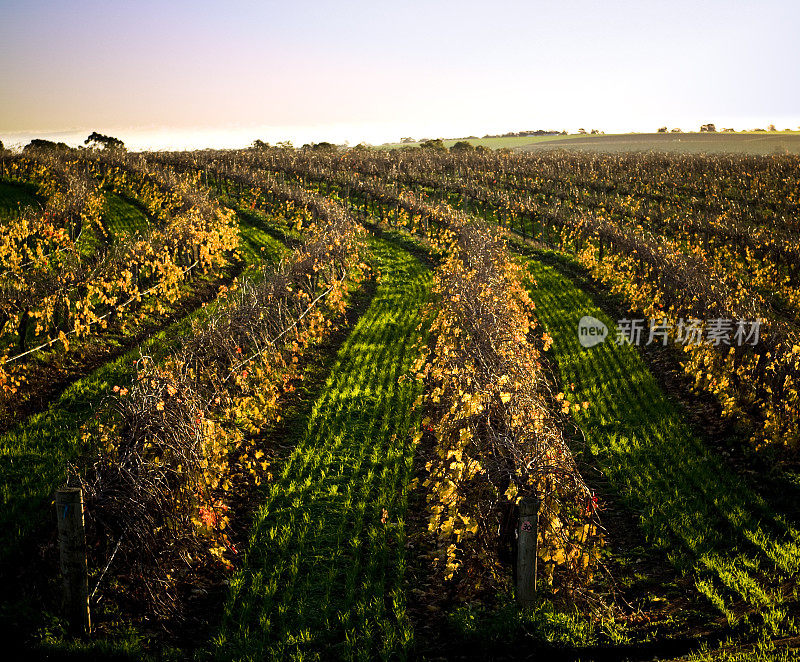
380, 70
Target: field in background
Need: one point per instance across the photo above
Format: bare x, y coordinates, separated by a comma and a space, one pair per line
682, 143
685, 143
493, 143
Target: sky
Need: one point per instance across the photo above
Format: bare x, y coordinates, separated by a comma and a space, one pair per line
220, 74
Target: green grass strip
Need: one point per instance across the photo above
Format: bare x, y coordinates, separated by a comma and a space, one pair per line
122, 218
690, 502
323, 575
15, 197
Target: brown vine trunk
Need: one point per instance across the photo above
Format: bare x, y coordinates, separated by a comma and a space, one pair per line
24, 325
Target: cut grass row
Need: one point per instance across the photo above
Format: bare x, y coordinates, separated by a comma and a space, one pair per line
323, 572
742, 554
122, 217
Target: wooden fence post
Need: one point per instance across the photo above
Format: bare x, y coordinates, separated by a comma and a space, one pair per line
72, 548
527, 538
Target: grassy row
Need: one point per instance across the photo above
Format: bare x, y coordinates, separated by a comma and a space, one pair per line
323, 572
122, 218
742, 554
14, 197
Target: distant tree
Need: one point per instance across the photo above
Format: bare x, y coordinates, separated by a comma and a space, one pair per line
582, 131
286, 144
99, 141
462, 146
663, 129
320, 147
407, 140
40, 143
433, 144
259, 144
564, 132
677, 130
760, 130
708, 128
771, 127
324, 147
361, 147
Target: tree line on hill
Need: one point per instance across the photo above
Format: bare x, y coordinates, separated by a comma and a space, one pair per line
94, 141
711, 128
